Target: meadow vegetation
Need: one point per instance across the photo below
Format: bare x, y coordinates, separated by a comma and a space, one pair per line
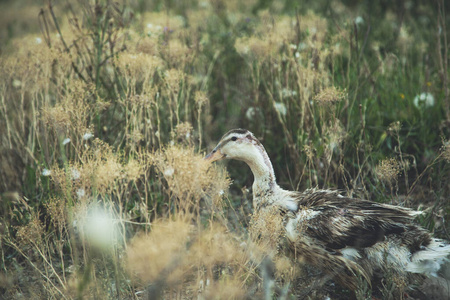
107, 109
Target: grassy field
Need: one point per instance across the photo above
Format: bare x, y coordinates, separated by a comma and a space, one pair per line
107, 109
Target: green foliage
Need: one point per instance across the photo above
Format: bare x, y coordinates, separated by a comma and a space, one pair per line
111, 106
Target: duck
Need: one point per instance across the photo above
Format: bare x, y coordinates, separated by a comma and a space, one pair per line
345, 238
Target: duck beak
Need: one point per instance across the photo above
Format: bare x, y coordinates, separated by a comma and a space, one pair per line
216, 154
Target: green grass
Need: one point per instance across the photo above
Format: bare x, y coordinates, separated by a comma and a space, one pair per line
157, 84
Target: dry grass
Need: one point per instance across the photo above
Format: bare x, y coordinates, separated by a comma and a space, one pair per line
106, 110
388, 170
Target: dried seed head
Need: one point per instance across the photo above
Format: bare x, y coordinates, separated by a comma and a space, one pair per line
330, 95
183, 131
201, 98
335, 134
266, 227
138, 66
55, 208
446, 150
173, 79
135, 136
148, 46
163, 249
31, 233
309, 150
189, 176
394, 127
388, 170
133, 169
177, 52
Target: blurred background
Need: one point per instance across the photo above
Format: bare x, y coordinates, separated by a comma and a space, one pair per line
107, 109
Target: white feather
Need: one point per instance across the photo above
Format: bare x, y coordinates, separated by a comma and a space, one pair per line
291, 229
429, 260
289, 204
389, 253
351, 253
303, 215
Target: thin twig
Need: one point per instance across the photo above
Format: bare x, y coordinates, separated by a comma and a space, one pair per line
44, 27
55, 21
34, 266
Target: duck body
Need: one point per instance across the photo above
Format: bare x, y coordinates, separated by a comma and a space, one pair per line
344, 237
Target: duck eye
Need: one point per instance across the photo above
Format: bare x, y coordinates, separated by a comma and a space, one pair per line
234, 138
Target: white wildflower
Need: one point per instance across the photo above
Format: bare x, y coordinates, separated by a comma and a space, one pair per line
38, 40
110, 70
221, 192
153, 28
16, 83
87, 136
337, 48
70, 269
424, 100
169, 171
302, 46
75, 174
359, 20
81, 193
288, 93
100, 228
280, 108
66, 141
334, 146
297, 55
251, 112
203, 4
75, 225
46, 172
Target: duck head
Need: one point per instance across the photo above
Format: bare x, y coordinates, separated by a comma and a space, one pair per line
241, 144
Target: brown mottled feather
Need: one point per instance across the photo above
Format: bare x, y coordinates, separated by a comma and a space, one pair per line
357, 223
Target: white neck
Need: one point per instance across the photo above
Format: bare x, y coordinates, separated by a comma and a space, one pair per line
265, 181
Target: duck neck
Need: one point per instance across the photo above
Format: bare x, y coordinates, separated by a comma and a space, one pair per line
264, 177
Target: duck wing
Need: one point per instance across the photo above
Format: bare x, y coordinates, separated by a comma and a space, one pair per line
337, 222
